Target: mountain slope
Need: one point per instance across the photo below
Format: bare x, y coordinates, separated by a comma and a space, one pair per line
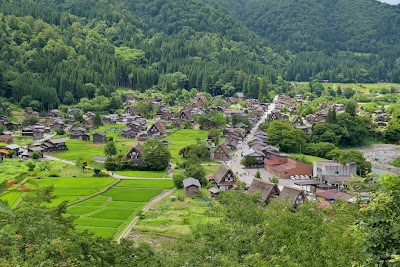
87, 48
334, 39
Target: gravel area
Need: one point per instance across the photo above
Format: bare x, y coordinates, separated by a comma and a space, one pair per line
380, 156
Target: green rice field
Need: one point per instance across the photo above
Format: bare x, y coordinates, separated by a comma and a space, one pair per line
143, 174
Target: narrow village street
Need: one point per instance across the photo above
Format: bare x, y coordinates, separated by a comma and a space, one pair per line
246, 175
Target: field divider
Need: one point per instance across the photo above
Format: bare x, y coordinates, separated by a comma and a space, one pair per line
18, 201
150, 204
101, 191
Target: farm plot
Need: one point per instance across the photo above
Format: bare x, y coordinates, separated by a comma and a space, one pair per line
73, 189
109, 213
143, 174
164, 184
183, 138
175, 218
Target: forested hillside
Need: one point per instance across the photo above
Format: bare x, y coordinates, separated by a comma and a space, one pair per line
62, 51
339, 40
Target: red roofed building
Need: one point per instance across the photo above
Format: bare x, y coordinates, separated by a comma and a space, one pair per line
282, 166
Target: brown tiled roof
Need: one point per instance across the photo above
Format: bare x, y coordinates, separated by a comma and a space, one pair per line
265, 188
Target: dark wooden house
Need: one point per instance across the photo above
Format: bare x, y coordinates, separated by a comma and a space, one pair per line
135, 153
99, 138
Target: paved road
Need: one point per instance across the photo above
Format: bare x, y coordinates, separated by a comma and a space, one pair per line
246, 175
150, 204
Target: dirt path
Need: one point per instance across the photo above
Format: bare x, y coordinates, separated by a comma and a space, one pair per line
156, 199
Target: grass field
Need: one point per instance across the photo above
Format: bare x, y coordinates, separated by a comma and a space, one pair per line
147, 184
366, 87
183, 138
80, 149
143, 174
211, 169
175, 218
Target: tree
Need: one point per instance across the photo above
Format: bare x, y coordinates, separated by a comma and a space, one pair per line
68, 98
228, 89
30, 121
258, 174
319, 149
363, 166
97, 120
350, 108
348, 92
379, 224
249, 162
110, 149
354, 132
156, 155
195, 170
178, 180
316, 87
145, 109
331, 117
392, 132
78, 117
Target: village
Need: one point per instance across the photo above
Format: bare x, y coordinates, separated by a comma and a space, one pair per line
242, 152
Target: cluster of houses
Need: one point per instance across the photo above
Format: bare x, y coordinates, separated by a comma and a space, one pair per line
224, 180
50, 145
285, 107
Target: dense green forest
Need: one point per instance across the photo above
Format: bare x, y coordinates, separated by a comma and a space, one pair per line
59, 51
62, 51
338, 40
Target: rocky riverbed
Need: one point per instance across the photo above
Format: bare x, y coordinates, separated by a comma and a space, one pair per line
381, 155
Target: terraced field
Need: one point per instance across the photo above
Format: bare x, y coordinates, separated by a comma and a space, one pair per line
110, 212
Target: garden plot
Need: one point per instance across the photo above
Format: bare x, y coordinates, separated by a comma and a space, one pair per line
177, 218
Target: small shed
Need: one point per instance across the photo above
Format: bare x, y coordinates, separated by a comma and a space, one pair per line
99, 138
192, 186
214, 191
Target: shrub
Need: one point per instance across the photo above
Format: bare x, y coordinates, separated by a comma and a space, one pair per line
178, 180
31, 166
